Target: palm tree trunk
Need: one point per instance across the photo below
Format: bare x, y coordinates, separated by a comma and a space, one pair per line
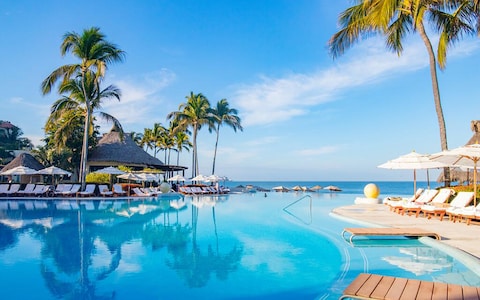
83, 157
215, 152
195, 155
436, 95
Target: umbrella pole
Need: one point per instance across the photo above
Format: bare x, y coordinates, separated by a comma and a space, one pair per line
428, 180
475, 183
414, 181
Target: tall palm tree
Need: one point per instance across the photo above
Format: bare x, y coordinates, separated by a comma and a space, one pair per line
68, 113
182, 141
223, 114
195, 114
393, 19
146, 140
95, 55
156, 137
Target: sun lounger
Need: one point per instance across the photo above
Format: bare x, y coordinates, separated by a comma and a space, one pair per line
14, 188
441, 197
73, 191
27, 190
39, 190
396, 202
139, 193
468, 213
118, 190
4, 188
89, 191
104, 191
425, 197
62, 188
462, 199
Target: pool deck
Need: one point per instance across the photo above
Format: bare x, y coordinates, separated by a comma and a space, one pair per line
457, 235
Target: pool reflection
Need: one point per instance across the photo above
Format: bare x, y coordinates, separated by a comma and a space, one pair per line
81, 242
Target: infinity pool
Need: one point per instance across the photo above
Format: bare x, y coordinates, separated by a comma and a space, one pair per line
255, 246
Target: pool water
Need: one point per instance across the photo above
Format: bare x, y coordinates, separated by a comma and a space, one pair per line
247, 246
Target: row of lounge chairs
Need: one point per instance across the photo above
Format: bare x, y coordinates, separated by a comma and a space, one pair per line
199, 190
435, 203
61, 190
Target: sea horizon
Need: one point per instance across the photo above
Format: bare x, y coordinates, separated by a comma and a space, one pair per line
387, 188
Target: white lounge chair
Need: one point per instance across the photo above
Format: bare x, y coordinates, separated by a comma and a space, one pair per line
27, 190
63, 187
14, 188
118, 190
139, 193
441, 197
89, 190
104, 191
425, 197
73, 191
40, 190
468, 213
462, 199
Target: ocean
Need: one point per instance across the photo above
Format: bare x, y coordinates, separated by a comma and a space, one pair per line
387, 188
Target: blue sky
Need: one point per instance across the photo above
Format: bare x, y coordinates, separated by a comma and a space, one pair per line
305, 115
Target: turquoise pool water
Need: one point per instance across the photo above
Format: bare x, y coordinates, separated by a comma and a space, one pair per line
245, 246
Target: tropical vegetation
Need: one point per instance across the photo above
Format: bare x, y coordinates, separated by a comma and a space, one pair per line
394, 19
79, 83
11, 139
70, 130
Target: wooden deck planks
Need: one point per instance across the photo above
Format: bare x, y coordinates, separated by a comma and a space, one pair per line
372, 286
383, 287
408, 232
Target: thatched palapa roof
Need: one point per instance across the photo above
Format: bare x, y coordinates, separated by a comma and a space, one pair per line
457, 174
24, 159
113, 151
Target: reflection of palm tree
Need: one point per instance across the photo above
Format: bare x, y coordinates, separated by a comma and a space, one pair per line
70, 245
7, 237
196, 267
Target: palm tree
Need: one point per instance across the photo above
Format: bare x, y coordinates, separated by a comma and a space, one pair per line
156, 137
67, 116
195, 113
394, 19
146, 140
95, 55
224, 115
182, 142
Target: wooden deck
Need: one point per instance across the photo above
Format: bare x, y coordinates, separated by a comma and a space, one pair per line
371, 286
410, 232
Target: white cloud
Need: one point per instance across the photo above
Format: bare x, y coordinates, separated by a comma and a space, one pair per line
318, 151
140, 97
275, 100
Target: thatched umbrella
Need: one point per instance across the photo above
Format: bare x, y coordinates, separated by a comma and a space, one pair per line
460, 175
112, 150
23, 160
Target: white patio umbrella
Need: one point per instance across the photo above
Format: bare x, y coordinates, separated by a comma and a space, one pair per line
129, 176
465, 156
412, 161
20, 170
52, 170
110, 170
199, 178
214, 178
177, 177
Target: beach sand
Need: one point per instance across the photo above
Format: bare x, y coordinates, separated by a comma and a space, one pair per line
457, 235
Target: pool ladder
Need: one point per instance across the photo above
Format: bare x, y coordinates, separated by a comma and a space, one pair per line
285, 209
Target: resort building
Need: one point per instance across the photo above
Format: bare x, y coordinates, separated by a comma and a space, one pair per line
114, 151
